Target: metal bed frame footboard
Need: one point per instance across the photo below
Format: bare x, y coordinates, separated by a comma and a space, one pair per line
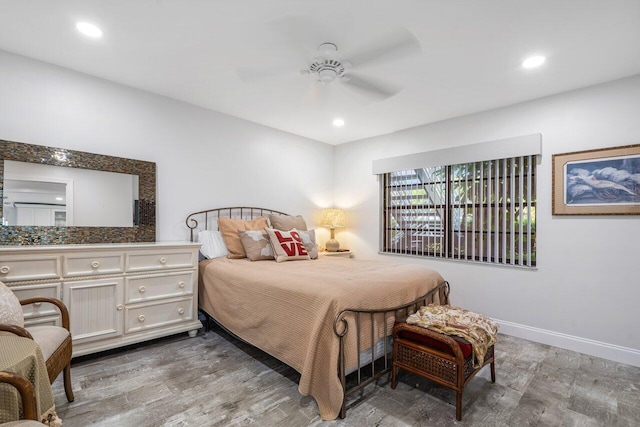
378, 366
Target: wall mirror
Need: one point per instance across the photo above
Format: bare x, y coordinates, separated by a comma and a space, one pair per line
57, 196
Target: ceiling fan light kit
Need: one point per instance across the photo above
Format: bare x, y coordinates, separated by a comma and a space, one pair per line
328, 66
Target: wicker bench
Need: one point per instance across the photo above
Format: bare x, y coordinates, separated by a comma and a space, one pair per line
444, 359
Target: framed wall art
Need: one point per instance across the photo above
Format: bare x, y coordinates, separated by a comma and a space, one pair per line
597, 182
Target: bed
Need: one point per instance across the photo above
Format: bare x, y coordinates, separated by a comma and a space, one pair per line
330, 319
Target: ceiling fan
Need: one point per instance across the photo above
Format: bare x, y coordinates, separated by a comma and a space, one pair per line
330, 67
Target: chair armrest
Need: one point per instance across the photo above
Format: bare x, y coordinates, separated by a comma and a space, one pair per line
26, 391
63, 309
17, 330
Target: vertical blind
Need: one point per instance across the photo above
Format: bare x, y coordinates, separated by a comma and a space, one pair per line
480, 211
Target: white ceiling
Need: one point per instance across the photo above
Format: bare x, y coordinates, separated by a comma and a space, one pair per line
48, 193
191, 50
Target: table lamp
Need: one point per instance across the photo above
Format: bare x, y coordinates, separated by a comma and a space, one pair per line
332, 218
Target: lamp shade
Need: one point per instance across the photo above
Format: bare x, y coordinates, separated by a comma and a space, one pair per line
333, 218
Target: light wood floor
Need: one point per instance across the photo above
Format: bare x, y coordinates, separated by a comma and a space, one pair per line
215, 380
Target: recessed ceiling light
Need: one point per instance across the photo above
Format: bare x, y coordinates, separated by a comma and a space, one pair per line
59, 198
533, 62
89, 29
338, 122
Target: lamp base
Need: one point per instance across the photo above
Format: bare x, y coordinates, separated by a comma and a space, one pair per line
332, 245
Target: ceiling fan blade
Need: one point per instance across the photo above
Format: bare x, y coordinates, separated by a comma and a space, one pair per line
305, 33
395, 45
253, 74
370, 89
301, 32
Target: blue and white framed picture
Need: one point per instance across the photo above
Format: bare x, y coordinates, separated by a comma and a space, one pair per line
597, 182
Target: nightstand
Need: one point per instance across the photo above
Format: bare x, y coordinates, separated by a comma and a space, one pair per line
343, 254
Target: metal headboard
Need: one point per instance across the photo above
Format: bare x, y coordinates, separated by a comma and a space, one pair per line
208, 220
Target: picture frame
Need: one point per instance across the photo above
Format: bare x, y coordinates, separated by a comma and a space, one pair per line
597, 182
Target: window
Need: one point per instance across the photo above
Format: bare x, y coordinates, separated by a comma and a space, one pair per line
482, 211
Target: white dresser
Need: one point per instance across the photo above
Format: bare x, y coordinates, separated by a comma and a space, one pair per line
117, 294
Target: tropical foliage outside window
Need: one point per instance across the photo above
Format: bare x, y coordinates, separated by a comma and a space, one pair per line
482, 211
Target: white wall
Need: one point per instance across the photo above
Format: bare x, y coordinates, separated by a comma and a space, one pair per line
585, 293
204, 159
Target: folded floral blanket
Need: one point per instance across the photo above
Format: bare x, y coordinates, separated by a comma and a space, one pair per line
476, 328
51, 419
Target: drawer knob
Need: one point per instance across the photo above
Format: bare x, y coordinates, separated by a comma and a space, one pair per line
141, 318
95, 264
5, 269
181, 284
163, 260
120, 307
181, 311
142, 289
37, 304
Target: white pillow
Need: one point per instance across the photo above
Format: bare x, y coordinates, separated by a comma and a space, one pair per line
10, 308
212, 244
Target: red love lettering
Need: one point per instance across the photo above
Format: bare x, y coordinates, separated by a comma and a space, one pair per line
282, 238
301, 249
291, 245
289, 249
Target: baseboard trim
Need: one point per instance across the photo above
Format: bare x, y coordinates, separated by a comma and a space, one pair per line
617, 353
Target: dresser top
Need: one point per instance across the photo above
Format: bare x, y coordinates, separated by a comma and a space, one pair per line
98, 246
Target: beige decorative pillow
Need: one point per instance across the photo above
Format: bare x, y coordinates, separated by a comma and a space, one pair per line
256, 244
229, 228
10, 308
287, 245
287, 222
309, 239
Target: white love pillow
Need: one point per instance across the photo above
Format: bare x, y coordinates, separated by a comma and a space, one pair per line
287, 245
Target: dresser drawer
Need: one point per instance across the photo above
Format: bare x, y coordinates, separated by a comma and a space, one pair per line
42, 321
158, 314
146, 288
160, 260
92, 264
25, 267
37, 310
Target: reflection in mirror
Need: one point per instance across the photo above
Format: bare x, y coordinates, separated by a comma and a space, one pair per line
46, 195
34, 203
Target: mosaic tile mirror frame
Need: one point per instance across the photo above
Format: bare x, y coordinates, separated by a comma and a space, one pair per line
144, 229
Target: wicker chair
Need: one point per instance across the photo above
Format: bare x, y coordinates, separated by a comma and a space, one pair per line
436, 357
54, 341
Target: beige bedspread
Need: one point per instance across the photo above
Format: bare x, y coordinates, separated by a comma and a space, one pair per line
288, 309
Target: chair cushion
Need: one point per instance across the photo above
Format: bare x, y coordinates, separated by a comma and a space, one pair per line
48, 338
10, 308
464, 345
